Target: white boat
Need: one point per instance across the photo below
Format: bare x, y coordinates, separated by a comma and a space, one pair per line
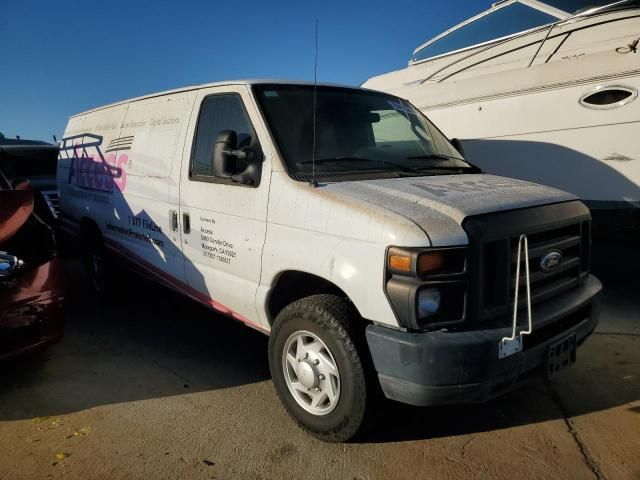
545, 92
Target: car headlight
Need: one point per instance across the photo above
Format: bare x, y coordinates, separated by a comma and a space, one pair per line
9, 264
427, 287
428, 302
421, 262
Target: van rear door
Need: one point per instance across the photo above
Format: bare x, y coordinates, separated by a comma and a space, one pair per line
223, 222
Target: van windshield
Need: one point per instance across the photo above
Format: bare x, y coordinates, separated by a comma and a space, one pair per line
357, 134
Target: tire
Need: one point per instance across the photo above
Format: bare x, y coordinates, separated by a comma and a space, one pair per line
95, 261
328, 326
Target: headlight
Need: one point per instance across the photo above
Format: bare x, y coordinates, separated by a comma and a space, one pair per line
428, 302
427, 287
421, 262
431, 262
9, 264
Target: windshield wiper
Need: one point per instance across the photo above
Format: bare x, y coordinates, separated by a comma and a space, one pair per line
398, 166
470, 168
435, 156
334, 159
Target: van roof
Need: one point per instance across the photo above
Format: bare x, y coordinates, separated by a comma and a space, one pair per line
247, 82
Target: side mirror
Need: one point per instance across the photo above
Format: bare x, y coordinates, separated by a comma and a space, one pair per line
222, 160
457, 144
9, 264
226, 158
373, 117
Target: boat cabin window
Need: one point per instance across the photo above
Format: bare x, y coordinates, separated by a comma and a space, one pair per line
502, 22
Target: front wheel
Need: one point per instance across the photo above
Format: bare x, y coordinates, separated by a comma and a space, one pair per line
316, 367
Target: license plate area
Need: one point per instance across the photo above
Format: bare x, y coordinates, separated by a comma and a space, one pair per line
561, 354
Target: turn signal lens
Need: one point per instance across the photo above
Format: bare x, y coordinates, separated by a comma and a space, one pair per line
400, 262
430, 262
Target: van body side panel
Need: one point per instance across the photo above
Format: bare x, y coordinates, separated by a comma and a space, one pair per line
354, 266
340, 239
223, 248
120, 163
89, 177
153, 131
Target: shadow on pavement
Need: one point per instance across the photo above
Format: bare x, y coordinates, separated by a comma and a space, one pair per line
595, 384
147, 342
151, 343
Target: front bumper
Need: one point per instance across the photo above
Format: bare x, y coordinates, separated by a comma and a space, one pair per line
31, 310
436, 368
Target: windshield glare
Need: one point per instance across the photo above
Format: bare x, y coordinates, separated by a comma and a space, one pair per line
357, 132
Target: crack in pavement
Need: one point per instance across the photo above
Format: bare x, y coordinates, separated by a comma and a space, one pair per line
463, 453
459, 462
582, 446
466, 445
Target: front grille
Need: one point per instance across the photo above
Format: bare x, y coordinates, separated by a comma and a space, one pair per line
53, 201
568, 241
493, 240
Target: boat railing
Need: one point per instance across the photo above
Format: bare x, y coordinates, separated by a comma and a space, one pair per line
549, 27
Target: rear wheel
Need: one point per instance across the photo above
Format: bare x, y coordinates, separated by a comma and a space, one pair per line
316, 366
94, 257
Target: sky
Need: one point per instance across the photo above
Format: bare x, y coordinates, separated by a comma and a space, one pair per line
58, 58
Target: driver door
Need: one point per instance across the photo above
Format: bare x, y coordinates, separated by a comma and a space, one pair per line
223, 222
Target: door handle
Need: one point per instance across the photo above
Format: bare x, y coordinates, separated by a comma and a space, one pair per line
173, 216
186, 223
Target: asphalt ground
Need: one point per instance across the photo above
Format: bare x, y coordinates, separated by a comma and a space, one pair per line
150, 385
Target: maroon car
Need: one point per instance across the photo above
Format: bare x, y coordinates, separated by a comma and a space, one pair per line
32, 283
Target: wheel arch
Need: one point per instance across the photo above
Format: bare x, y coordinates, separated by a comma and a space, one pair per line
292, 285
90, 233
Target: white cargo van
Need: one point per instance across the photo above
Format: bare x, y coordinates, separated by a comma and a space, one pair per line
342, 223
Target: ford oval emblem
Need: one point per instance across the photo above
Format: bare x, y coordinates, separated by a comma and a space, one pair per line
550, 261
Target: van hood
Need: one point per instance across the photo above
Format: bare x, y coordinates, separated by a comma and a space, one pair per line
439, 204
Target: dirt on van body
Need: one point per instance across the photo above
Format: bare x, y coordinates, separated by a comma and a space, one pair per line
148, 385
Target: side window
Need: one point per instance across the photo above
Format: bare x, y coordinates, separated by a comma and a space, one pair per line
218, 113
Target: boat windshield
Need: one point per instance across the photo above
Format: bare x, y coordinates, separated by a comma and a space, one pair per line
499, 23
575, 7
509, 19
358, 134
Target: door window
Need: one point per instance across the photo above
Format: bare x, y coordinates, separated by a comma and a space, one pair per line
218, 113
